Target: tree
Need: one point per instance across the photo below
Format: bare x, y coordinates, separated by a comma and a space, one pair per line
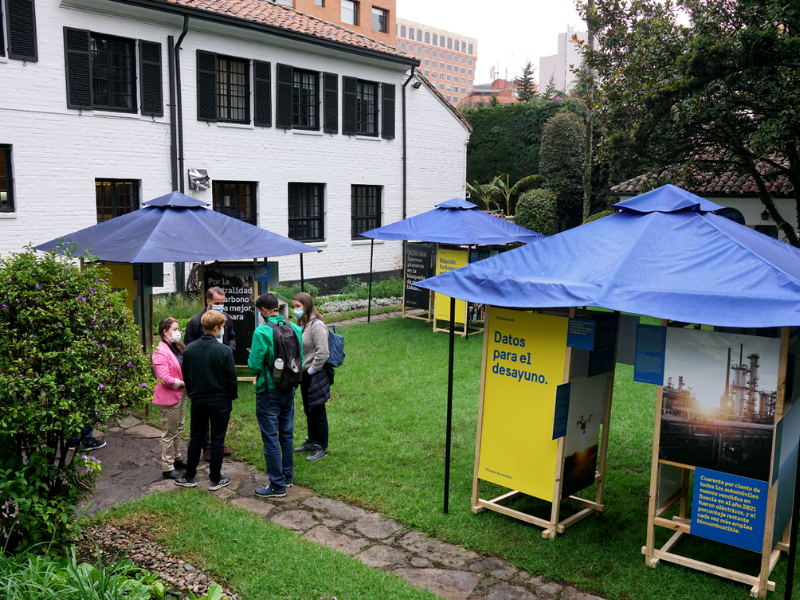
550, 91
526, 86
589, 119
721, 94
485, 194
493, 101
561, 164
537, 210
69, 357
508, 192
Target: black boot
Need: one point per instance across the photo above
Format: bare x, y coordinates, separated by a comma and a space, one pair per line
171, 474
179, 464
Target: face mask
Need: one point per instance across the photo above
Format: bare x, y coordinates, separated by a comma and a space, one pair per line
220, 334
176, 336
298, 313
218, 307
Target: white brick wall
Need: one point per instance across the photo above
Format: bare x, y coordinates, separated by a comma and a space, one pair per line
58, 153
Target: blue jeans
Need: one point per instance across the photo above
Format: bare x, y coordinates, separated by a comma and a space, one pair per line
275, 415
86, 434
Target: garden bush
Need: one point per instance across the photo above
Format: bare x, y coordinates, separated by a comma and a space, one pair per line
177, 306
537, 210
597, 215
386, 288
69, 358
288, 291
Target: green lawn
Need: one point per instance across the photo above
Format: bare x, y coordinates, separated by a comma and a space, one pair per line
256, 558
387, 421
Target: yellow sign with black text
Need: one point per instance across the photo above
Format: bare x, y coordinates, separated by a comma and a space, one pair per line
525, 362
120, 277
449, 260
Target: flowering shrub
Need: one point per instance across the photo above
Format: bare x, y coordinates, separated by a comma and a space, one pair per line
69, 358
340, 304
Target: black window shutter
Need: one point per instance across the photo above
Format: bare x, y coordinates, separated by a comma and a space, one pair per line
349, 105
21, 20
206, 86
150, 81
262, 76
283, 114
2, 41
78, 60
387, 118
330, 86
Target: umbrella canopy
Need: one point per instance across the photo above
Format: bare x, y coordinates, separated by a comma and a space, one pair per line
665, 254
455, 222
176, 228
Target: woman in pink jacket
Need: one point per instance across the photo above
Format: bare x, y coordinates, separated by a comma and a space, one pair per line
170, 396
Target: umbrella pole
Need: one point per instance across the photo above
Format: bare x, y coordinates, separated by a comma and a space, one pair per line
369, 301
302, 277
449, 405
466, 304
143, 323
793, 535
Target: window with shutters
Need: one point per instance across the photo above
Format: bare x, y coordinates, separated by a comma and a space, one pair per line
6, 180
365, 209
305, 100
113, 73
380, 19
115, 197
21, 27
307, 212
236, 199
233, 90
366, 108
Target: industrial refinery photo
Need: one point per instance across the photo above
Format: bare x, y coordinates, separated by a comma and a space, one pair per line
719, 394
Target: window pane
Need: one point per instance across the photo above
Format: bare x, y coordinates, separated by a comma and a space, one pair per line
232, 86
349, 12
305, 99
319, 2
402, 31
112, 73
306, 215
236, 200
6, 182
365, 209
470, 50
427, 37
115, 197
366, 108
379, 20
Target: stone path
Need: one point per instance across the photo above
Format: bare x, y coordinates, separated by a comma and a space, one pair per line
131, 467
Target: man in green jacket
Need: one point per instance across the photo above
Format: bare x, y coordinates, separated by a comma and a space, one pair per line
274, 406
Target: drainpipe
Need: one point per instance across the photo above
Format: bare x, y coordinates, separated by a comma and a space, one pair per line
405, 154
179, 100
173, 131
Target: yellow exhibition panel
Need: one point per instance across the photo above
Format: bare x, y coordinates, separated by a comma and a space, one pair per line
525, 363
449, 260
120, 277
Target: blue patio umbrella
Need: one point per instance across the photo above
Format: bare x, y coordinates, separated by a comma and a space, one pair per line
177, 228
665, 254
456, 221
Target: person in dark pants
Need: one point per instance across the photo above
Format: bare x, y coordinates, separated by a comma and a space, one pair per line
215, 300
316, 385
274, 406
211, 384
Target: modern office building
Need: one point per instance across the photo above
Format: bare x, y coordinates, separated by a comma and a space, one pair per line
373, 18
504, 90
557, 66
447, 59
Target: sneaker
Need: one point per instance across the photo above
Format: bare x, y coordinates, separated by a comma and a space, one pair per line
223, 481
270, 492
318, 454
94, 445
185, 481
306, 447
289, 484
71, 445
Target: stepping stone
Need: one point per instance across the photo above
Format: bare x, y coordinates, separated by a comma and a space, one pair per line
144, 431
416, 561
376, 527
505, 591
548, 591
381, 556
165, 485
495, 567
437, 551
452, 585
129, 422
336, 508
254, 505
570, 593
299, 520
336, 541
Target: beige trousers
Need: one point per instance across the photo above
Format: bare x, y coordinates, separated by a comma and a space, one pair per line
173, 419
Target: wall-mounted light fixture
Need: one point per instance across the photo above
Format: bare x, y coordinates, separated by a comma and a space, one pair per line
765, 215
416, 85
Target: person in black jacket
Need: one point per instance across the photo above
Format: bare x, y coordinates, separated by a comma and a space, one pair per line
211, 384
215, 300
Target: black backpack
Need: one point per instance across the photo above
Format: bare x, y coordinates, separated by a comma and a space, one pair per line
286, 346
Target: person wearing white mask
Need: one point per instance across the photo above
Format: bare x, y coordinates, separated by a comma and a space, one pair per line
215, 300
170, 396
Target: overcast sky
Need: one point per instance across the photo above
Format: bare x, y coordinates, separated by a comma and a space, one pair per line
508, 31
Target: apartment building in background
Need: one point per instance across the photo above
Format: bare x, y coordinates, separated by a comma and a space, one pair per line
504, 90
373, 18
557, 67
447, 59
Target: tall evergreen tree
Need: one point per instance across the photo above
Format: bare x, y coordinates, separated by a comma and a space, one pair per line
526, 86
551, 88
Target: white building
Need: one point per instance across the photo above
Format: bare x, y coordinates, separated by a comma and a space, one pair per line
558, 67
299, 123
